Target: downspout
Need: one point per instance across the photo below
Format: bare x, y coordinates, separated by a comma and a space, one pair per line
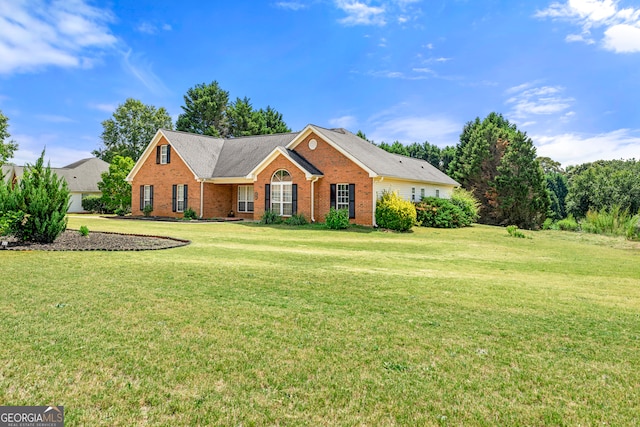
375, 200
313, 211
201, 199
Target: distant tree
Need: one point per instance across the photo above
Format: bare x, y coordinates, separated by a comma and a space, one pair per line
438, 157
7, 147
497, 162
128, 132
557, 185
273, 122
549, 165
603, 184
116, 192
243, 119
205, 110
362, 135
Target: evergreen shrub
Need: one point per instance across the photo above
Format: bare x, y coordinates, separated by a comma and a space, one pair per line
440, 213
297, 219
189, 213
395, 213
93, 204
270, 217
468, 204
337, 219
43, 199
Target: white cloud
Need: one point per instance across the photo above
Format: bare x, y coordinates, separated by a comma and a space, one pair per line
622, 38
359, 13
34, 34
30, 148
574, 148
347, 122
527, 101
621, 27
143, 71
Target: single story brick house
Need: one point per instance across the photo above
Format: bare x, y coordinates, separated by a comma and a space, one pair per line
305, 172
82, 179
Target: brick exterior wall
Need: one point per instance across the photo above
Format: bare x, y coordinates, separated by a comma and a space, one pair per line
221, 199
163, 177
337, 169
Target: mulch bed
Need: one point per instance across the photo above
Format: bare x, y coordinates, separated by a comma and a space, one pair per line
72, 240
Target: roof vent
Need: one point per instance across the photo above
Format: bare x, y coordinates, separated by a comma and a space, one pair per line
339, 130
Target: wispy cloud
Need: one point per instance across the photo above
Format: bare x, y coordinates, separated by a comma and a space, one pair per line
30, 147
107, 108
619, 28
347, 122
575, 148
143, 71
52, 118
529, 100
360, 13
152, 29
291, 5
34, 34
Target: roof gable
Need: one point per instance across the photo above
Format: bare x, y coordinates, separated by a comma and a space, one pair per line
300, 162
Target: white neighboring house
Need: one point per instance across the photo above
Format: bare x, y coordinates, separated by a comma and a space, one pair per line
82, 179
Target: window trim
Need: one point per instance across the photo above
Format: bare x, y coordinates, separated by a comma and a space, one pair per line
164, 156
147, 196
342, 196
245, 195
277, 188
180, 197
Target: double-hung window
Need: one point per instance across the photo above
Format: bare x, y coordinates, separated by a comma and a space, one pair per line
180, 193
342, 196
146, 196
245, 198
413, 194
163, 154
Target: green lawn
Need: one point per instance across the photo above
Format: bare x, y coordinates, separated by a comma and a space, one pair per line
254, 325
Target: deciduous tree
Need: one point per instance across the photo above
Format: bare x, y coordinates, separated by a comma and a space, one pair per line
128, 132
116, 192
7, 147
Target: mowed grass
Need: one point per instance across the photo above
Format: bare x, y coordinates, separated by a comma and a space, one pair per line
254, 325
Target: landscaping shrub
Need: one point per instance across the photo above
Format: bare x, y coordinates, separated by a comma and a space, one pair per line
440, 213
93, 204
43, 199
121, 212
189, 213
632, 231
337, 219
9, 221
84, 231
270, 217
395, 213
297, 219
568, 224
468, 204
147, 210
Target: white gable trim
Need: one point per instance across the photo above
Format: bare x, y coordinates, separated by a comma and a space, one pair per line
278, 151
150, 150
311, 129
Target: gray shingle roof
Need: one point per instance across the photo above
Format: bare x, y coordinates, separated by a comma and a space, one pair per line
211, 157
81, 176
383, 163
241, 155
200, 152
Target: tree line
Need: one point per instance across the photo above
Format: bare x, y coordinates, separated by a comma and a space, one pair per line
498, 163
207, 110
493, 159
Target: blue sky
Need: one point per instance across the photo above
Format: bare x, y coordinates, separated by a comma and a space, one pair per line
566, 72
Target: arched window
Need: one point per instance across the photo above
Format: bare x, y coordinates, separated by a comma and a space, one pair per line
281, 193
